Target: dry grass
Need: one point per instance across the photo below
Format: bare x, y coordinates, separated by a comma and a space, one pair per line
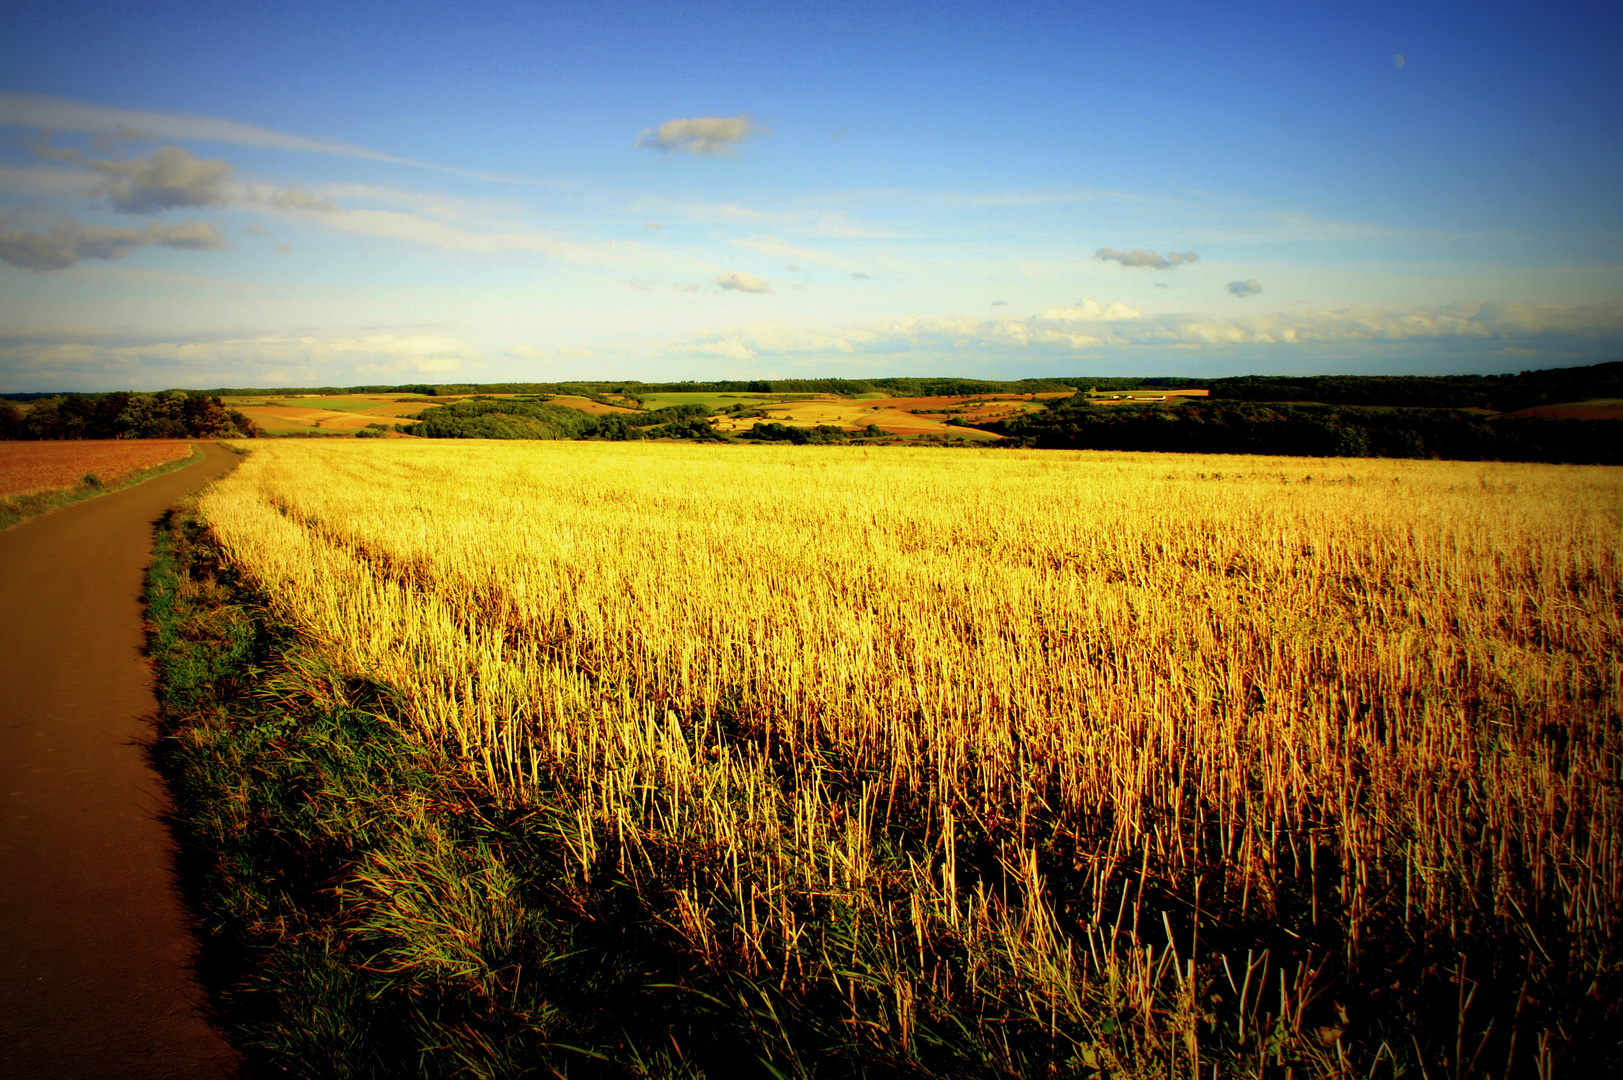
1172, 761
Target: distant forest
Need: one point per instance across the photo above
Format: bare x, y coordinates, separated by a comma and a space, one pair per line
1345, 416
172, 414
1222, 426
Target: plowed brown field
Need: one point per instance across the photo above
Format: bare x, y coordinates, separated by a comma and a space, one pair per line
29, 467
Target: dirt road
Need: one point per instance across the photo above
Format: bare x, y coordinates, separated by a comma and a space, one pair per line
94, 947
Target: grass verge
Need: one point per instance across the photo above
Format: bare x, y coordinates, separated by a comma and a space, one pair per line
16, 509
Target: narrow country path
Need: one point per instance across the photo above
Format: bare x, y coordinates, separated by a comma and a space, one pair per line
95, 951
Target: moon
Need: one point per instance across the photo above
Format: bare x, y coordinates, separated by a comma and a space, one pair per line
1399, 59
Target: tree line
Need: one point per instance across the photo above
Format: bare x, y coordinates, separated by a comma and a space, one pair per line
516, 418
172, 414
1219, 426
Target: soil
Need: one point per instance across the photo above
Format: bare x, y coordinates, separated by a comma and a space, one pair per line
95, 943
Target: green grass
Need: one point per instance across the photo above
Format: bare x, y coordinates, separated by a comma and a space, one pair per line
20, 508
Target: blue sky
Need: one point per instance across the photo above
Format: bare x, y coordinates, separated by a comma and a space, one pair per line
203, 195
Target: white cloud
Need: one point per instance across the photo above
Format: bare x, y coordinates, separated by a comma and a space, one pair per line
732, 350
743, 283
701, 135
70, 241
230, 361
1088, 326
1248, 287
1138, 257
1089, 311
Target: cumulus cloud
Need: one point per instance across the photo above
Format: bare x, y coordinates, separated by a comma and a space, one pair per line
71, 241
292, 198
701, 135
743, 283
1248, 287
1138, 257
166, 178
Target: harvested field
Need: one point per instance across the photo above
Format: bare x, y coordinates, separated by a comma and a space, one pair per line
958, 763
301, 418
28, 468
587, 405
852, 414
1581, 410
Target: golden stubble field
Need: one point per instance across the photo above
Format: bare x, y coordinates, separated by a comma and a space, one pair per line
1017, 734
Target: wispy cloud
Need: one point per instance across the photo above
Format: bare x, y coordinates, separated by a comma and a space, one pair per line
229, 359
1248, 287
62, 114
701, 135
71, 241
41, 146
1138, 258
771, 245
42, 180
418, 229
806, 221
